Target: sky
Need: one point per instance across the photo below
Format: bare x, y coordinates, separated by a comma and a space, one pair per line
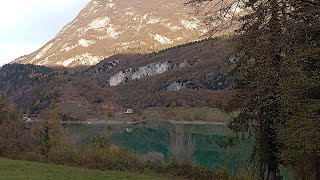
26, 25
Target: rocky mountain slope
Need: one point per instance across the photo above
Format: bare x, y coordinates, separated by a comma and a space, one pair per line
193, 74
107, 27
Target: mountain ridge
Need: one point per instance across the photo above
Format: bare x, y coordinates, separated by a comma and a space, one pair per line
107, 27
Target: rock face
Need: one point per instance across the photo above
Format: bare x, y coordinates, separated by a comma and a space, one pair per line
107, 27
132, 74
138, 73
176, 86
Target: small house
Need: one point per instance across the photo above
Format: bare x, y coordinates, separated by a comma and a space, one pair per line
129, 111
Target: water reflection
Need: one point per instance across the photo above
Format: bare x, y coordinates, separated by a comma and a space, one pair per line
197, 143
182, 145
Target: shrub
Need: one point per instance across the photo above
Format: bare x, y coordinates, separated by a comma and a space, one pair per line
187, 117
173, 104
110, 114
11, 128
243, 176
153, 157
185, 169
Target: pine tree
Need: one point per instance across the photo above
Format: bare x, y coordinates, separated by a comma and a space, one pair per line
300, 135
276, 78
278, 38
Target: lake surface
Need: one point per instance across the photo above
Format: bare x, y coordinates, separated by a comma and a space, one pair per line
156, 136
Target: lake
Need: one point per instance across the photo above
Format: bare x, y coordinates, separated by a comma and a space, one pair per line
156, 136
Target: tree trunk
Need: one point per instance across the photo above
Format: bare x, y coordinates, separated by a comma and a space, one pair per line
272, 175
272, 172
261, 171
317, 168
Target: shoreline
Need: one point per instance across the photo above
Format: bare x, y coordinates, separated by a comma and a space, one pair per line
102, 122
147, 121
198, 123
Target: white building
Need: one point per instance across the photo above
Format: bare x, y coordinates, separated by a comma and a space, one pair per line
129, 111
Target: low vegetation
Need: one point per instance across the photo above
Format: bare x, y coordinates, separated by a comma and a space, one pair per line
15, 170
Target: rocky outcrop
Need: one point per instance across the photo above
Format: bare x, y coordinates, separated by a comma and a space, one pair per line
176, 86
219, 82
148, 70
107, 66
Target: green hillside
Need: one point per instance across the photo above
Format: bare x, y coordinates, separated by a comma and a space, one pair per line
11, 169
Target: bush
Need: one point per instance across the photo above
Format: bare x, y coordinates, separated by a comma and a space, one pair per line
110, 114
153, 157
187, 117
173, 104
243, 176
11, 128
186, 170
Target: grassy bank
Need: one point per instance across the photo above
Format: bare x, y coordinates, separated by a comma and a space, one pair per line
189, 114
12, 169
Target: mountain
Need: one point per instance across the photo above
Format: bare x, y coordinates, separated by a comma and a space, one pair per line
191, 75
107, 27
132, 54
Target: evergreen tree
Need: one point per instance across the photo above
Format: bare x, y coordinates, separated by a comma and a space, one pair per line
280, 40
277, 79
300, 135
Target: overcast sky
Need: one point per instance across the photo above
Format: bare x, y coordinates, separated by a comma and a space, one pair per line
26, 25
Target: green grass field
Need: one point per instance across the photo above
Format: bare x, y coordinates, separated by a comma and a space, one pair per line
152, 113
17, 170
188, 114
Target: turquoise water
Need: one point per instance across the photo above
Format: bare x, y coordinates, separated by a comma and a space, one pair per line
156, 136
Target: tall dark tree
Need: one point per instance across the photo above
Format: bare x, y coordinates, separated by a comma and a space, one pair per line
300, 134
276, 76
11, 128
258, 77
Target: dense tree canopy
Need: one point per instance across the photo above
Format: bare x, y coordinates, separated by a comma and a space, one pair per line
7, 111
277, 79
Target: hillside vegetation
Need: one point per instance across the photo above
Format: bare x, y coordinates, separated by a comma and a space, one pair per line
201, 68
